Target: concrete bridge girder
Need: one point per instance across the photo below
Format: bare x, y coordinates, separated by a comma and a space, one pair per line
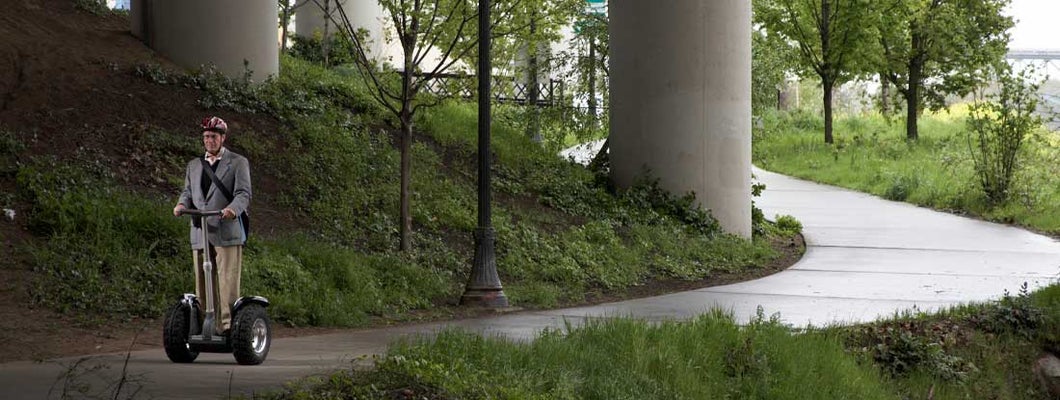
681, 101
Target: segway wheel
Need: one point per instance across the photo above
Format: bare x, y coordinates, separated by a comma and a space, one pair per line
175, 335
251, 335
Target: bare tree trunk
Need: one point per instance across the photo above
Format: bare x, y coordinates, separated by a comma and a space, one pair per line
406, 178
534, 94
912, 101
885, 96
325, 43
284, 21
912, 95
408, 45
828, 86
592, 81
827, 74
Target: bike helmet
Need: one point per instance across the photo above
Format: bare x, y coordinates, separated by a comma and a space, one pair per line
214, 124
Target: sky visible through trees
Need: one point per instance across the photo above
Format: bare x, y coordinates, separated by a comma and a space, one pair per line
1036, 25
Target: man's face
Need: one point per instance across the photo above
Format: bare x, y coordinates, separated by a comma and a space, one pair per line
212, 141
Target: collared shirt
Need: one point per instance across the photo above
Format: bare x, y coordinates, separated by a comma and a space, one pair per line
220, 154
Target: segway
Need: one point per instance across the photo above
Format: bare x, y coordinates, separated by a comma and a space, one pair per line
184, 336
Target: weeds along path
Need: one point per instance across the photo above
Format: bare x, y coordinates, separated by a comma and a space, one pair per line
866, 258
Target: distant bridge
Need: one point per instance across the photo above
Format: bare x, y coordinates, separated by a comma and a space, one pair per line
1033, 54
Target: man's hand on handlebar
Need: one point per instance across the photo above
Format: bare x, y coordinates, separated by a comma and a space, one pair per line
178, 209
227, 213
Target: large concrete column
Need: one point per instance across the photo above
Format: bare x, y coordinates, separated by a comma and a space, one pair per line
363, 14
681, 101
194, 33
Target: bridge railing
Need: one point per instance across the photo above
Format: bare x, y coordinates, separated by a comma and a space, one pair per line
1033, 54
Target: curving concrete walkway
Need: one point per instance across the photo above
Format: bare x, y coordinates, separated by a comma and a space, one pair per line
866, 258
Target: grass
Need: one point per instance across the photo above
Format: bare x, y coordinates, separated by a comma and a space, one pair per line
709, 357
979, 351
563, 237
975, 351
872, 155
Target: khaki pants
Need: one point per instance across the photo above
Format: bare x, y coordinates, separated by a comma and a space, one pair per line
228, 262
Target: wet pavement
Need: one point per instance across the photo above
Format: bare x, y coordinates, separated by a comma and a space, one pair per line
866, 258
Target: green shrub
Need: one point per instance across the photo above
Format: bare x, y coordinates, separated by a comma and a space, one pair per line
340, 50
313, 284
10, 150
1048, 301
1018, 314
998, 128
901, 351
900, 186
789, 225
105, 245
97, 7
653, 200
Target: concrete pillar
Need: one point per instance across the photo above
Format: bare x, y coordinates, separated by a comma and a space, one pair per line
194, 33
309, 18
363, 14
681, 101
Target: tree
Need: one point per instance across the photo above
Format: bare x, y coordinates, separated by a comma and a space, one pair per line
584, 64
831, 36
934, 48
286, 11
592, 45
771, 59
434, 36
524, 36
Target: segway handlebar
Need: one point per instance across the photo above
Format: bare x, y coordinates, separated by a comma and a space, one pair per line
201, 213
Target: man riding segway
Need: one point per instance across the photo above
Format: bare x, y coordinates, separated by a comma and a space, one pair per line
216, 194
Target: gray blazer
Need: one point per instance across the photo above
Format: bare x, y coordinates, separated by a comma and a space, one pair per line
234, 172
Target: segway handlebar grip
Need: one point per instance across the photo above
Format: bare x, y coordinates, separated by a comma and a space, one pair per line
201, 213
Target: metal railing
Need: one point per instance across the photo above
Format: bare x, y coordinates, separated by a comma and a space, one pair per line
506, 89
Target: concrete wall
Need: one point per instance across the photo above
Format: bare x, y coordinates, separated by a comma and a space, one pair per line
193, 33
681, 101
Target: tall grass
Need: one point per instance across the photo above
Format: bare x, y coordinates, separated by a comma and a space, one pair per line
709, 357
979, 351
872, 155
105, 246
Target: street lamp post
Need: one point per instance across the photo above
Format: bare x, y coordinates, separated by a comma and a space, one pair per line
484, 286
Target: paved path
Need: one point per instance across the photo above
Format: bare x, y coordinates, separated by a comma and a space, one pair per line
866, 258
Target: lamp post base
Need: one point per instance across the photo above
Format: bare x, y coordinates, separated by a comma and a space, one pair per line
484, 286
484, 298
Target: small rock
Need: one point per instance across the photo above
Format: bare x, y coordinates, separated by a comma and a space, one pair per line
1047, 369
10, 214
